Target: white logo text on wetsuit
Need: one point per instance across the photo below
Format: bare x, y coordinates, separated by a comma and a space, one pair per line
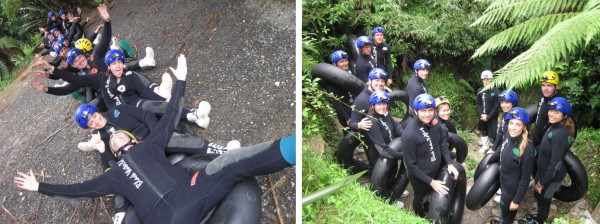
110, 94
136, 180
430, 144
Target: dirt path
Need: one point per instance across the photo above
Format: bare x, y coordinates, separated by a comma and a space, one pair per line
236, 51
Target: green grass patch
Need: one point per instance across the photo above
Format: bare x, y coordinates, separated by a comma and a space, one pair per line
587, 148
352, 204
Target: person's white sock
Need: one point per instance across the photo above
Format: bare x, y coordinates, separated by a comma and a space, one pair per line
86, 146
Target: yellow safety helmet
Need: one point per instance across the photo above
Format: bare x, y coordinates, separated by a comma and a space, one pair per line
441, 100
83, 44
551, 77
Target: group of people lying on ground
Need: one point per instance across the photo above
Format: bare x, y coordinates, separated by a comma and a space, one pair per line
122, 108
425, 150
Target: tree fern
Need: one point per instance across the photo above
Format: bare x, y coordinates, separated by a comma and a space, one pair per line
564, 39
523, 34
3, 70
513, 11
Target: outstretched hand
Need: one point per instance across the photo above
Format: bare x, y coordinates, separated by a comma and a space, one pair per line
97, 141
103, 12
181, 71
38, 85
38, 61
439, 187
26, 181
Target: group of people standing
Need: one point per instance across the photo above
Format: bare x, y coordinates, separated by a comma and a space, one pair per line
424, 148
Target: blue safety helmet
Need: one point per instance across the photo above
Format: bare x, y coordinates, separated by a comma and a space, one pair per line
50, 14
379, 97
509, 96
83, 114
423, 101
57, 47
52, 30
377, 29
378, 73
421, 64
519, 114
50, 42
72, 54
113, 55
61, 38
338, 56
61, 12
561, 104
362, 41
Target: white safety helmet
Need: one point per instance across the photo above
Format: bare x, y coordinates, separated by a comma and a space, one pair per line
487, 74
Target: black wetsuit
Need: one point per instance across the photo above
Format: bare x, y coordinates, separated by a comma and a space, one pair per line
415, 86
383, 57
502, 129
361, 108
487, 103
425, 153
383, 130
163, 193
342, 105
448, 125
515, 173
364, 65
52, 24
65, 26
550, 167
541, 120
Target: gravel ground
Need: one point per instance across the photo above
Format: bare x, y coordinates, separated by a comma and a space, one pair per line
240, 59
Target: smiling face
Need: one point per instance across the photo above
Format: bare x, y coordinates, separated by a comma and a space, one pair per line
118, 140
444, 111
80, 62
366, 50
343, 64
555, 116
381, 108
505, 105
378, 37
97, 121
425, 115
515, 127
377, 84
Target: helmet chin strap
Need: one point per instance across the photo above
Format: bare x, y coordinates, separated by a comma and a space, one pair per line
121, 151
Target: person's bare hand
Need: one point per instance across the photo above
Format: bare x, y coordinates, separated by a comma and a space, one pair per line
452, 170
78, 10
539, 188
439, 186
98, 28
513, 206
97, 141
181, 71
103, 10
26, 181
88, 19
38, 61
365, 124
36, 84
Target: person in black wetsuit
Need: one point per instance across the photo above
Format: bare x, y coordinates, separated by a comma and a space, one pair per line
443, 112
161, 192
425, 152
416, 85
508, 100
52, 21
343, 98
384, 129
365, 62
381, 51
377, 80
555, 144
487, 109
549, 85
516, 157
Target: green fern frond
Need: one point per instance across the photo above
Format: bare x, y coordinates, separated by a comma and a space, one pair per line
3, 70
7, 43
564, 39
523, 34
516, 10
591, 5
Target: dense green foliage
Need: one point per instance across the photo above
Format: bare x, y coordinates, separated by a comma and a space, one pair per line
352, 204
587, 148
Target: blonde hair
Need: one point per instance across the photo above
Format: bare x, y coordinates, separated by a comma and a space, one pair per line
524, 140
569, 123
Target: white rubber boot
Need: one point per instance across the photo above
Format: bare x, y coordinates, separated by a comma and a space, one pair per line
486, 144
404, 194
114, 45
203, 122
97, 40
164, 89
148, 61
203, 109
86, 146
233, 144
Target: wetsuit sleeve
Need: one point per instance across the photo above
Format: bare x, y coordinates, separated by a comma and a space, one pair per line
96, 187
376, 138
494, 158
64, 90
100, 50
560, 147
161, 135
388, 63
79, 80
46, 52
478, 103
144, 116
527, 161
444, 151
494, 112
144, 91
398, 129
409, 151
355, 117
499, 137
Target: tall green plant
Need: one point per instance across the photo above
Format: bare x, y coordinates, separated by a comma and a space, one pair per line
9, 48
555, 30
